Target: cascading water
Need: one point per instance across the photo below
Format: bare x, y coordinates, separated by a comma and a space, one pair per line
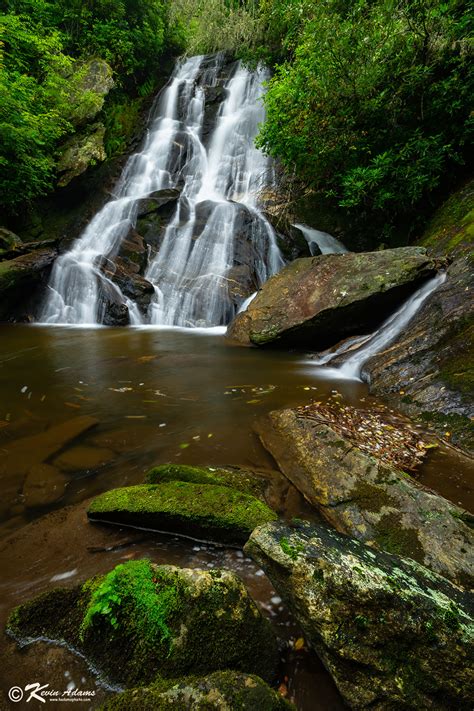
325, 243
217, 238
351, 368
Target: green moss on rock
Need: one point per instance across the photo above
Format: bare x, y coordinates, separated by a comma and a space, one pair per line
143, 622
239, 479
221, 690
204, 511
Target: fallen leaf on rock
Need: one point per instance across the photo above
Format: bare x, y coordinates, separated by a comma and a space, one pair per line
299, 644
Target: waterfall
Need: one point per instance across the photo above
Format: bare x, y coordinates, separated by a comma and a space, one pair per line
217, 235
326, 243
351, 367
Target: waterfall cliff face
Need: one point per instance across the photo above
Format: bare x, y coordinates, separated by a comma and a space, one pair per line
216, 248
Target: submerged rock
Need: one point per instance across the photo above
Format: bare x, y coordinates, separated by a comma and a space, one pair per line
318, 301
429, 368
204, 511
392, 634
368, 499
221, 690
141, 622
43, 485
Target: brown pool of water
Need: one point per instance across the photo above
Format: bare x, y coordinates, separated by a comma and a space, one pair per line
158, 396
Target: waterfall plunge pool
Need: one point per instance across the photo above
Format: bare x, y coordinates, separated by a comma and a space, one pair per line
160, 396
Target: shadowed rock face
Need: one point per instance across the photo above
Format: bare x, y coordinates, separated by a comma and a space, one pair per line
431, 361
20, 280
368, 500
392, 634
318, 301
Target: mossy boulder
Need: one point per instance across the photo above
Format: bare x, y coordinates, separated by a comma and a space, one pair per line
392, 634
367, 498
9, 242
220, 690
204, 511
235, 478
318, 301
142, 622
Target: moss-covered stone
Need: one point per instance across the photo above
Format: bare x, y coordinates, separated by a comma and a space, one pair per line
393, 634
451, 229
142, 622
205, 511
80, 152
236, 478
221, 690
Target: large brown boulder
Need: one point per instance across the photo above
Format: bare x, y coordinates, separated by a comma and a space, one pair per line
367, 498
392, 634
318, 301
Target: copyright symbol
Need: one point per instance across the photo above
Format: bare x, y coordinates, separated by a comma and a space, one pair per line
15, 694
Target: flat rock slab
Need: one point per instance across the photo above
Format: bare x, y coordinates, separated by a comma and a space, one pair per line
316, 302
367, 499
392, 634
203, 511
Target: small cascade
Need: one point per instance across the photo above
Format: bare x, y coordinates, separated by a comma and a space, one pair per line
218, 247
351, 368
320, 241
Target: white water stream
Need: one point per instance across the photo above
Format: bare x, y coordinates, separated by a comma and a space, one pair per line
325, 243
192, 272
351, 368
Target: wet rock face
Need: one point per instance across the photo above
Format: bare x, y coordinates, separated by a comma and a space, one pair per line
429, 368
21, 279
392, 634
221, 690
369, 500
142, 622
318, 301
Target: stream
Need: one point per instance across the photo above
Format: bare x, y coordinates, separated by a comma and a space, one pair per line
159, 396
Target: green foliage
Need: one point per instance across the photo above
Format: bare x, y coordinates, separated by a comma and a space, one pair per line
43, 45
212, 25
136, 599
371, 100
